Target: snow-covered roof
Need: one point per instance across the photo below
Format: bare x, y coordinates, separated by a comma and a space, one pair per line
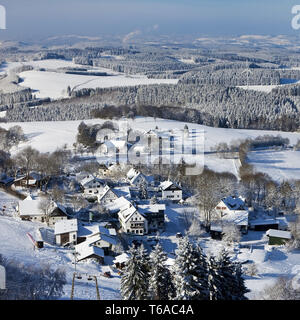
238, 217
262, 221
98, 237
234, 203
105, 191
131, 173
89, 231
30, 207
126, 213
279, 234
123, 191
167, 184
89, 179
65, 226
151, 208
118, 204
122, 258
85, 250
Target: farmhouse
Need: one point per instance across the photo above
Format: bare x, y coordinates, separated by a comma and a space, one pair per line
66, 232
29, 209
170, 191
278, 237
231, 204
114, 147
103, 241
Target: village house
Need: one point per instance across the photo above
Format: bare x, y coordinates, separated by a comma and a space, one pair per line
107, 197
136, 178
155, 215
66, 232
33, 180
103, 241
86, 250
120, 260
29, 209
233, 210
98, 236
113, 147
92, 186
169, 190
132, 221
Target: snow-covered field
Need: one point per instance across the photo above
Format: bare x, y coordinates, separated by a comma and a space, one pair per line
54, 84
278, 164
48, 136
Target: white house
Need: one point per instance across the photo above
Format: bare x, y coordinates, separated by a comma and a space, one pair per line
66, 232
98, 236
86, 250
103, 241
112, 147
92, 186
136, 178
170, 191
132, 221
107, 196
29, 209
233, 210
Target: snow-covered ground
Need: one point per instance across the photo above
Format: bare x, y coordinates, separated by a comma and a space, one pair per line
278, 164
48, 136
16, 245
52, 84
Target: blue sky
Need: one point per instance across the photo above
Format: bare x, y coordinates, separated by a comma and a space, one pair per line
27, 19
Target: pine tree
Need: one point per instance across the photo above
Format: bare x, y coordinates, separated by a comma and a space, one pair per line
160, 283
201, 274
186, 272
214, 279
134, 282
241, 288
233, 287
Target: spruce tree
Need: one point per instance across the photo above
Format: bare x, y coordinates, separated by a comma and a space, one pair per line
214, 279
186, 272
160, 283
134, 282
233, 287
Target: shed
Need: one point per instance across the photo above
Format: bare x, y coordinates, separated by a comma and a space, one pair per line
278, 237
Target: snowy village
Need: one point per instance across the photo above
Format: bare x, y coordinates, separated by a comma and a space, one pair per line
93, 215
149, 151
